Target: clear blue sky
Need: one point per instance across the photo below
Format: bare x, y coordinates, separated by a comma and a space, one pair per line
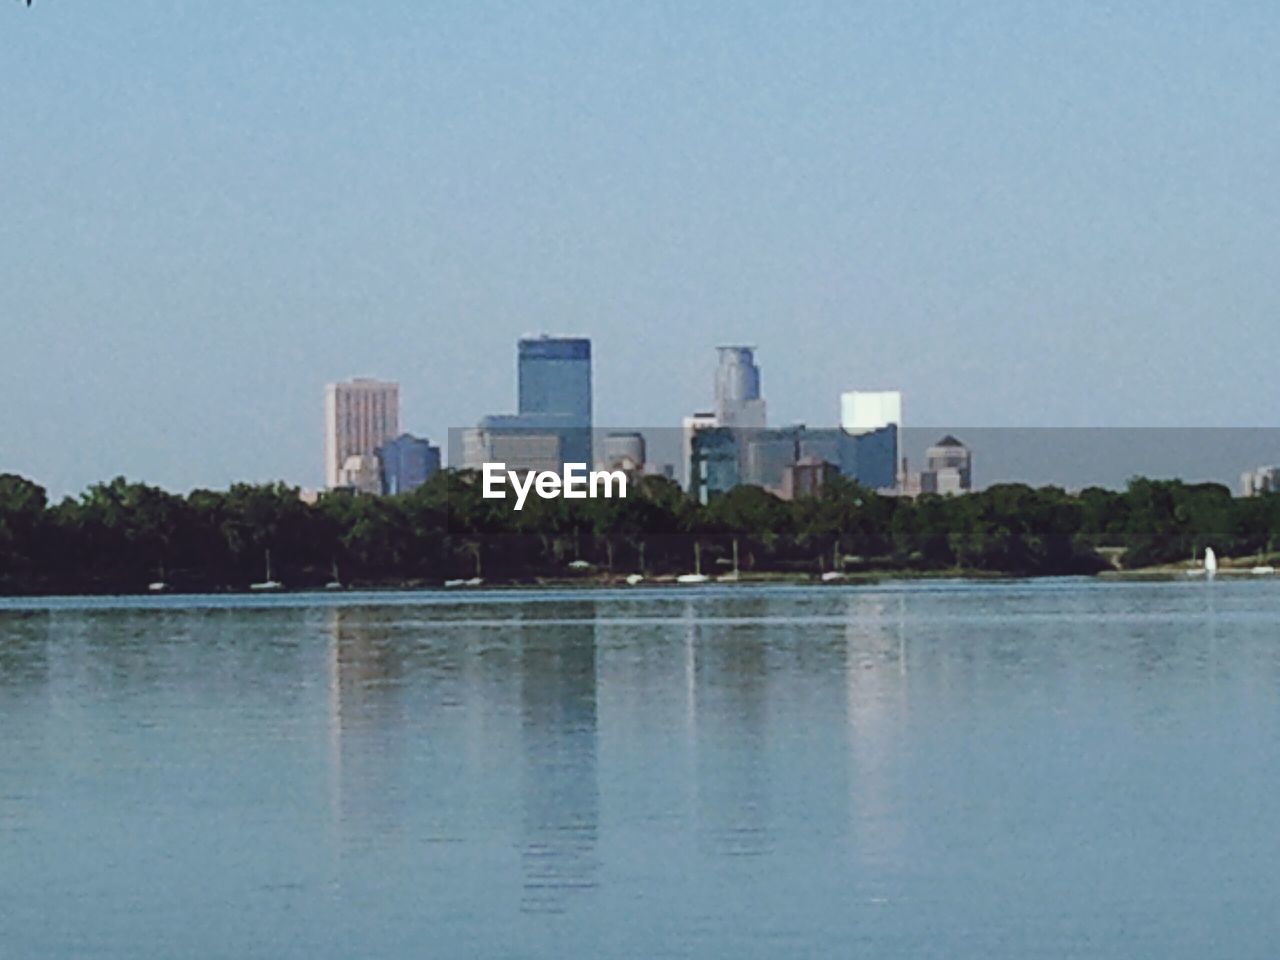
1018, 213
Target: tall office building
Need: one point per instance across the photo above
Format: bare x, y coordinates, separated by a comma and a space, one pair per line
874, 418
360, 416
737, 404
555, 376
737, 400
552, 425
554, 381
406, 463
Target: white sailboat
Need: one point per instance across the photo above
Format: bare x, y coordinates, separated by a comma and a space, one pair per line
269, 585
734, 575
837, 566
697, 576
459, 582
159, 584
335, 582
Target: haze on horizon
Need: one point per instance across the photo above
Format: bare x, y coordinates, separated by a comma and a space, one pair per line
1019, 214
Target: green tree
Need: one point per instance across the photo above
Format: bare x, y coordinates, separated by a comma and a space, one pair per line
22, 509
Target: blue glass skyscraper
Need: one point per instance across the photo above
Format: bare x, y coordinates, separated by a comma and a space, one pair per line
554, 376
713, 462
871, 458
407, 463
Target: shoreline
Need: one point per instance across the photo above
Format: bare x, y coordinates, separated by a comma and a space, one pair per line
584, 584
1182, 573
590, 582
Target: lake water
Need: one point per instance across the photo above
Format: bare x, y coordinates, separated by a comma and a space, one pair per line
1049, 769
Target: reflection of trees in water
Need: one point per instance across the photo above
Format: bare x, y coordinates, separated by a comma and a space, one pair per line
25, 675
24, 650
560, 780
136, 649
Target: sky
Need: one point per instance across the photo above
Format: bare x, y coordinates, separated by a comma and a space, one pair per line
1019, 214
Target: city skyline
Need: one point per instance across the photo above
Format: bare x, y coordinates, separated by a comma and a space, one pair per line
1072, 458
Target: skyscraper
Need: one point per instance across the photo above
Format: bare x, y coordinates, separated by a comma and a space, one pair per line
874, 419
360, 416
553, 424
554, 375
738, 402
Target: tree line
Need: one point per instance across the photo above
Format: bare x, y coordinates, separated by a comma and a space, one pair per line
119, 536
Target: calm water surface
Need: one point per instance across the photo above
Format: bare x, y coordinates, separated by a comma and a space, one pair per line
1056, 769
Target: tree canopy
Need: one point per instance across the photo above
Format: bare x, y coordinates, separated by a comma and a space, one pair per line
120, 535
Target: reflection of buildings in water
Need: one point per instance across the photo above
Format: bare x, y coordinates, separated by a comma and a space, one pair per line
422, 737
690, 621
876, 696
560, 791
366, 722
807, 674
419, 720
728, 707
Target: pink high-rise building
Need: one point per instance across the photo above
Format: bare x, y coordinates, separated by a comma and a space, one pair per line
359, 417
